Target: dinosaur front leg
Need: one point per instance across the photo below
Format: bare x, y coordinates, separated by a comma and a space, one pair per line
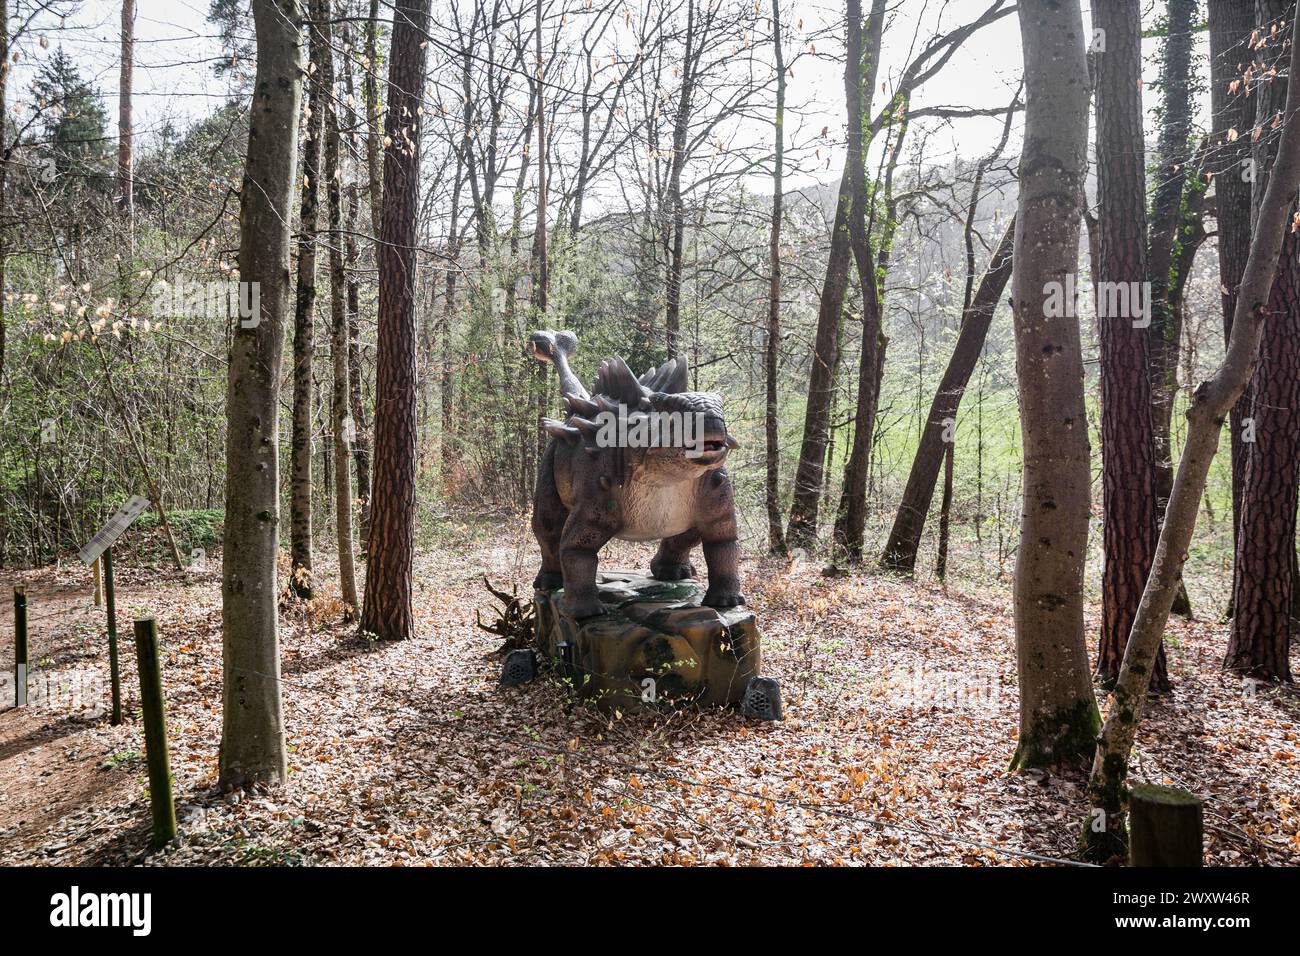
717, 526
672, 562
579, 547
722, 555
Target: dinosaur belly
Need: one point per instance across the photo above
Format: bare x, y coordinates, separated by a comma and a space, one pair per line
651, 512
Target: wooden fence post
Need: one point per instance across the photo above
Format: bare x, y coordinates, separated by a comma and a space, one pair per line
20, 646
114, 673
1166, 827
155, 731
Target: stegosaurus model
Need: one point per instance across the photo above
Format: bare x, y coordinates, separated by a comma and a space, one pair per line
589, 490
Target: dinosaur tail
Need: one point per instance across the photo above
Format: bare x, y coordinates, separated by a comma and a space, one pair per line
556, 348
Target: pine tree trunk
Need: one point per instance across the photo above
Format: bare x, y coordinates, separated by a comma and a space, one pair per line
1165, 332
387, 609
1231, 24
252, 733
1264, 582
1058, 714
304, 316
1129, 529
1209, 407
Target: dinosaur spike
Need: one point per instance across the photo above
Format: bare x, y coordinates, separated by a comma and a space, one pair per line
586, 427
579, 404
559, 430
676, 380
617, 382
668, 378
605, 404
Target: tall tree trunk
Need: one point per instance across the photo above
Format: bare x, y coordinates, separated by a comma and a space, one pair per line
909, 522
252, 732
862, 61
361, 432
304, 314
1130, 525
1174, 150
1264, 581
771, 352
801, 530
125, 153
362, 443
1232, 113
446, 382
374, 117
5, 149
539, 233
387, 609
945, 508
676, 236
1209, 406
541, 266
1058, 713
343, 427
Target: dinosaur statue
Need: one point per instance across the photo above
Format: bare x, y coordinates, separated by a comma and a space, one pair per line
669, 490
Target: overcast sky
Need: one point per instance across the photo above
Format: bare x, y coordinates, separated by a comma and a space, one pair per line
176, 46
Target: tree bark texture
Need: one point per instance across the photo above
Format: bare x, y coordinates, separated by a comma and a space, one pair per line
1058, 713
386, 612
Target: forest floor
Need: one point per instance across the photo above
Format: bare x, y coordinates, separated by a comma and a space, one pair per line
901, 715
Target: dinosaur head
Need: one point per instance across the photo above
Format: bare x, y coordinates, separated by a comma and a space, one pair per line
676, 434
693, 436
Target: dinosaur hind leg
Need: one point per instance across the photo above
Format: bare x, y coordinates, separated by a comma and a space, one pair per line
672, 562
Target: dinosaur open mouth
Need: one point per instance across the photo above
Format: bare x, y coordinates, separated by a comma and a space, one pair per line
714, 445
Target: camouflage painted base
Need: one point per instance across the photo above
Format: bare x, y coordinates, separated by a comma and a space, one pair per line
654, 645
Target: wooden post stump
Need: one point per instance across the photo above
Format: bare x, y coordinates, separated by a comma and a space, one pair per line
155, 731
20, 646
1166, 827
114, 673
